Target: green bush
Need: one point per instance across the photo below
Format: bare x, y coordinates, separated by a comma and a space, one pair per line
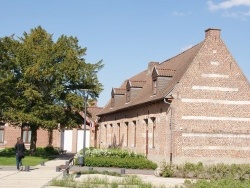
40, 151
218, 171
167, 170
115, 158
45, 151
93, 152
128, 162
7, 152
225, 183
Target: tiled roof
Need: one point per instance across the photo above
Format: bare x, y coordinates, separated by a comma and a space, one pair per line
93, 110
174, 67
119, 91
166, 72
138, 84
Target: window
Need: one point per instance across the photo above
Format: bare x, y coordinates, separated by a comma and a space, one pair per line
134, 133
106, 134
119, 132
26, 134
153, 132
154, 87
128, 95
126, 125
111, 135
1, 133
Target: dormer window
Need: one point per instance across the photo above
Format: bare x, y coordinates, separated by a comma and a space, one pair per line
160, 79
116, 95
133, 87
128, 91
155, 86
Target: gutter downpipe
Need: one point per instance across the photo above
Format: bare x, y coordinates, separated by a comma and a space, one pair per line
170, 127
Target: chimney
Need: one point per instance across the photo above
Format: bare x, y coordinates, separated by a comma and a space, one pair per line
212, 33
151, 65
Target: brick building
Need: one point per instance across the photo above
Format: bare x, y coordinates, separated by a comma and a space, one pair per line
192, 107
9, 134
62, 137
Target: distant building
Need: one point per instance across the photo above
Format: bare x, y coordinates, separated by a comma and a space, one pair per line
192, 107
65, 138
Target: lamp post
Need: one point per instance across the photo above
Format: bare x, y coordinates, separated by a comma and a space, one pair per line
85, 95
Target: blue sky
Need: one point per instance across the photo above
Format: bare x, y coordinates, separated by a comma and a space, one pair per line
128, 34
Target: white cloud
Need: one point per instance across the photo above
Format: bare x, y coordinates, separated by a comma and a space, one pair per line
181, 13
227, 4
178, 13
239, 15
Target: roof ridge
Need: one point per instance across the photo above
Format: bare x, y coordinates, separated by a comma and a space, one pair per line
182, 52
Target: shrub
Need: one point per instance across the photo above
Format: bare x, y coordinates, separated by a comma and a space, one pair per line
7, 152
49, 149
116, 158
45, 151
218, 171
92, 152
128, 162
225, 183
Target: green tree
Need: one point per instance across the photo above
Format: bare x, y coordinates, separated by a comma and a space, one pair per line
41, 81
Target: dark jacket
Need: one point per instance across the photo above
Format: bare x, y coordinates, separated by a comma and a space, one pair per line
20, 148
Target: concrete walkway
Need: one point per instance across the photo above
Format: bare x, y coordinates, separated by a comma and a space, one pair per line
37, 177
40, 176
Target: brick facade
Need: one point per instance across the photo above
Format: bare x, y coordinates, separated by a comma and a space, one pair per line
11, 133
57, 137
200, 113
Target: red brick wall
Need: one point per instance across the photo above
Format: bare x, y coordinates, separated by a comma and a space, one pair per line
160, 152
11, 133
212, 124
210, 113
42, 138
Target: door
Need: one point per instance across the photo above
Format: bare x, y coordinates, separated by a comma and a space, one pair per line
67, 140
80, 136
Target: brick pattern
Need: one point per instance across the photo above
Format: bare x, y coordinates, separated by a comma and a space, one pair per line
11, 133
227, 146
214, 129
141, 118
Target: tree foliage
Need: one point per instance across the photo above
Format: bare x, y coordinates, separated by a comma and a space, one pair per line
41, 81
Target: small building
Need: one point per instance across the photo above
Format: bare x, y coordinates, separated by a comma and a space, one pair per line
70, 139
193, 107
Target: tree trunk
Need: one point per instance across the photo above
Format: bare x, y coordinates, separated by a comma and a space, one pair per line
33, 138
50, 133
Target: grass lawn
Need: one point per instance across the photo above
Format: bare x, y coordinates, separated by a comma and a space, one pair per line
28, 160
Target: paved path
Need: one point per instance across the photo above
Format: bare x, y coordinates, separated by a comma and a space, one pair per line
40, 176
37, 177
